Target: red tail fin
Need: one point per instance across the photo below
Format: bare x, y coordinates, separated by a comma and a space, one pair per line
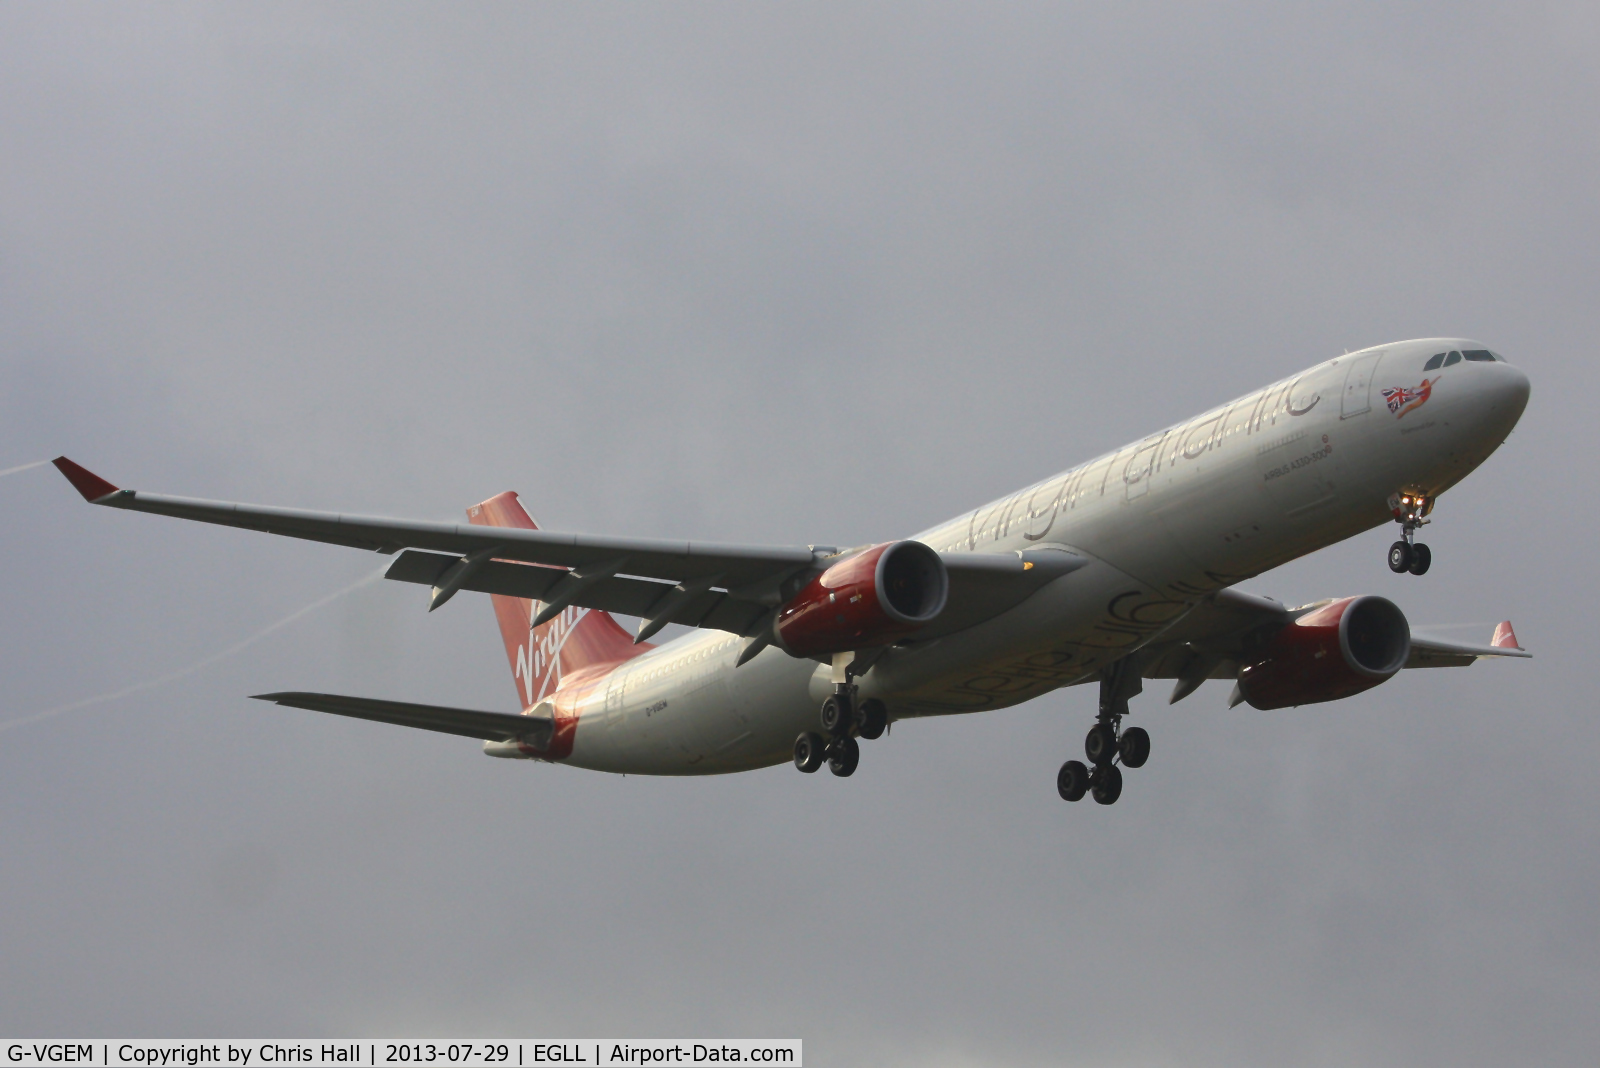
544, 655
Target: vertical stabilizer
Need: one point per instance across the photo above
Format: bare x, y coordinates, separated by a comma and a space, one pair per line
576, 638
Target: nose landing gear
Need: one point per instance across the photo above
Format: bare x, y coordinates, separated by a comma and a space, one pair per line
1101, 778
1410, 511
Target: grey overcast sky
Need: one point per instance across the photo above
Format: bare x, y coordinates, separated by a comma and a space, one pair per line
776, 273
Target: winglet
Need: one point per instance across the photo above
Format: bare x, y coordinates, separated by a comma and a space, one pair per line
1505, 637
91, 485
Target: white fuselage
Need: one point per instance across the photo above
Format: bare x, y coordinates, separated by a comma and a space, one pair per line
1163, 521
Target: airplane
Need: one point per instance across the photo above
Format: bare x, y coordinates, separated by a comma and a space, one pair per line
1115, 571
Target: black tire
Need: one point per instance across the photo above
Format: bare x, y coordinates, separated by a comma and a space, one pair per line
809, 752
843, 756
1421, 559
1106, 784
1101, 744
873, 719
1400, 557
1134, 747
836, 716
1072, 781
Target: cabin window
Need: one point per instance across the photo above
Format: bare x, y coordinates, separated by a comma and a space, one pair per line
1479, 355
1453, 358
1434, 361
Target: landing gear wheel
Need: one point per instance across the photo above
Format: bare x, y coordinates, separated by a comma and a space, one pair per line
1400, 557
1101, 744
1135, 747
836, 716
1421, 559
1106, 784
1072, 781
874, 719
843, 756
809, 752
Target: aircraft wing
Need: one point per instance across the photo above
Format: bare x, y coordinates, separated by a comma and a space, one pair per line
675, 560
1208, 642
733, 588
491, 726
1428, 651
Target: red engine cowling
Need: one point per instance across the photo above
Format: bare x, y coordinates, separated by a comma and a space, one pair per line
1340, 649
886, 592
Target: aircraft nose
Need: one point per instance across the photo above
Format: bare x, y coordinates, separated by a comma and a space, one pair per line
1512, 389
1504, 395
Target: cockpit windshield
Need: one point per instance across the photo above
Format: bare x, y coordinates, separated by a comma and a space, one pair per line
1446, 359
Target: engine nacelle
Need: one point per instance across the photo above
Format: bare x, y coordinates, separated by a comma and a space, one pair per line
1340, 649
874, 597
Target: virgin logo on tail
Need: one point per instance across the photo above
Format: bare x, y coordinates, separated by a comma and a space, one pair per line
542, 657
539, 659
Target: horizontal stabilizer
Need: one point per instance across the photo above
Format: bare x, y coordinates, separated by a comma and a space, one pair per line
492, 726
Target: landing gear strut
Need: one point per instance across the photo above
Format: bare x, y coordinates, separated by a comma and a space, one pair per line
1410, 511
1101, 778
843, 716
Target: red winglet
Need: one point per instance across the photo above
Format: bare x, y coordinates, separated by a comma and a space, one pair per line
1505, 637
91, 485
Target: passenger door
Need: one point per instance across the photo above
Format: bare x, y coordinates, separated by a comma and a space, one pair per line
1358, 384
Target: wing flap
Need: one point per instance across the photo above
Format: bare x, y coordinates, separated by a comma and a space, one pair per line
622, 594
491, 726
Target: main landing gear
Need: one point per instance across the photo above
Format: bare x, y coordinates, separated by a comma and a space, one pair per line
1107, 742
1410, 511
843, 719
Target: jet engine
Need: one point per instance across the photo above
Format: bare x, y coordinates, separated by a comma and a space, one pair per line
1340, 649
874, 597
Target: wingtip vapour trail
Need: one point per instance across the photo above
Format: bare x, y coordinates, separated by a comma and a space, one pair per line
174, 676
22, 467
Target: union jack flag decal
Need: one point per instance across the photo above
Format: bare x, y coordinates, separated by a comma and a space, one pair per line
1402, 400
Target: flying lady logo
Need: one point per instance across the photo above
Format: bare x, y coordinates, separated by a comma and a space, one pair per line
1401, 400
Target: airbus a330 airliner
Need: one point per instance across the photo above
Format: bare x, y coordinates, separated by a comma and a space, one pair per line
1115, 571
